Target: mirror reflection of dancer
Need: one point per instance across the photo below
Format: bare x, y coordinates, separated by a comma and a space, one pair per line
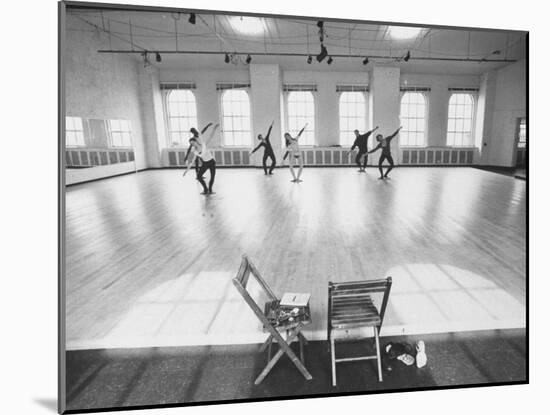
293, 149
268, 150
200, 150
384, 144
361, 141
195, 133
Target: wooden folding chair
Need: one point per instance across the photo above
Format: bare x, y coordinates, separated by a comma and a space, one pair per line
292, 329
350, 306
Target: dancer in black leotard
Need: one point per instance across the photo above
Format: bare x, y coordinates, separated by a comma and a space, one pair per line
200, 150
361, 141
384, 144
195, 133
268, 151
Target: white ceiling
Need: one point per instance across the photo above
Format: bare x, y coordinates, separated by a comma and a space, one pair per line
214, 33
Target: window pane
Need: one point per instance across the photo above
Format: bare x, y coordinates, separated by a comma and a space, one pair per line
353, 112
182, 114
460, 120
236, 118
412, 115
301, 110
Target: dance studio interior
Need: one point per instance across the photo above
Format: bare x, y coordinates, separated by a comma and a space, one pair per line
270, 207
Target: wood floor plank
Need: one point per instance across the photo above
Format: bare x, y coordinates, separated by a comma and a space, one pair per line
149, 260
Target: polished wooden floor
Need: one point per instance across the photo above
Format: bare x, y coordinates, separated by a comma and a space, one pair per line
149, 261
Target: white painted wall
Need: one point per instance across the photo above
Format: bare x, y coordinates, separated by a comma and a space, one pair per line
438, 100
116, 86
206, 96
102, 87
510, 103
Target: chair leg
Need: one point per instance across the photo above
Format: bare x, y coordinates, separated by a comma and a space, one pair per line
301, 341
333, 361
269, 348
378, 359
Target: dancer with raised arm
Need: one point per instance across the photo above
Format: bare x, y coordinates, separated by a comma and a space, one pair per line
361, 142
268, 151
200, 150
293, 149
384, 144
195, 133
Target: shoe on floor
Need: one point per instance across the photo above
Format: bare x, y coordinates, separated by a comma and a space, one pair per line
421, 358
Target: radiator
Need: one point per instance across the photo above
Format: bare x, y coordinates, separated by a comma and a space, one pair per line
430, 156
88, 157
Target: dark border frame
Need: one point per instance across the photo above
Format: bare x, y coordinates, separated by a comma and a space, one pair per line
62, 6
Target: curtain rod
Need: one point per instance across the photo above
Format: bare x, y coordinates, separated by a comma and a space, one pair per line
305, 55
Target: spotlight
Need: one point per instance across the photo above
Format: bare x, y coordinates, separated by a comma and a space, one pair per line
226, 58
158, 57
323, 53
320, 24
329, 60
366, 60
309, 59
407, 56
192, 18
248, 59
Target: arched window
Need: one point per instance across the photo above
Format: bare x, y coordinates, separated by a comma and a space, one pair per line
460, 120
301, 110
182, 115
353, 114
236, 118
413, 119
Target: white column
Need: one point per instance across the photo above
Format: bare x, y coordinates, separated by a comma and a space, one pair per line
384, 105
266, 84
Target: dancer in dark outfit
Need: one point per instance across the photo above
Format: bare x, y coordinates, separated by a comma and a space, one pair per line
361, 141
268, 151
195, 133
384, 144
200, 150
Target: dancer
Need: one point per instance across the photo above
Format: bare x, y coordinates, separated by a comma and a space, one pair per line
200, 150
195, 133
361, 141
268, 150
295, 154
384, 144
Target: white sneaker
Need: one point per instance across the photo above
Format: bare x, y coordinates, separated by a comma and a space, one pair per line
421, 358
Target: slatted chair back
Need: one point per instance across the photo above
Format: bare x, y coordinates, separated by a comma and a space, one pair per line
347, 292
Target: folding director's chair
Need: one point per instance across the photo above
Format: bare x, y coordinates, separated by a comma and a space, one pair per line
272, 326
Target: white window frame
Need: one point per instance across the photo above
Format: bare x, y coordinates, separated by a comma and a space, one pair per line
362, 130
522, 144
77, 133
181, 133
403, 133
471, 143
311, 124
125, 133
224, 142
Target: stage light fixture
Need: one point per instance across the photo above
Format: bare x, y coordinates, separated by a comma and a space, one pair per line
329, 60
407, 56
192, 18
323, 53
248, 59
226, 58
366, 60
309, 59
158, 58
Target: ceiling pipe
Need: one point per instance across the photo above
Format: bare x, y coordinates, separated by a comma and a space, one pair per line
412, 58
